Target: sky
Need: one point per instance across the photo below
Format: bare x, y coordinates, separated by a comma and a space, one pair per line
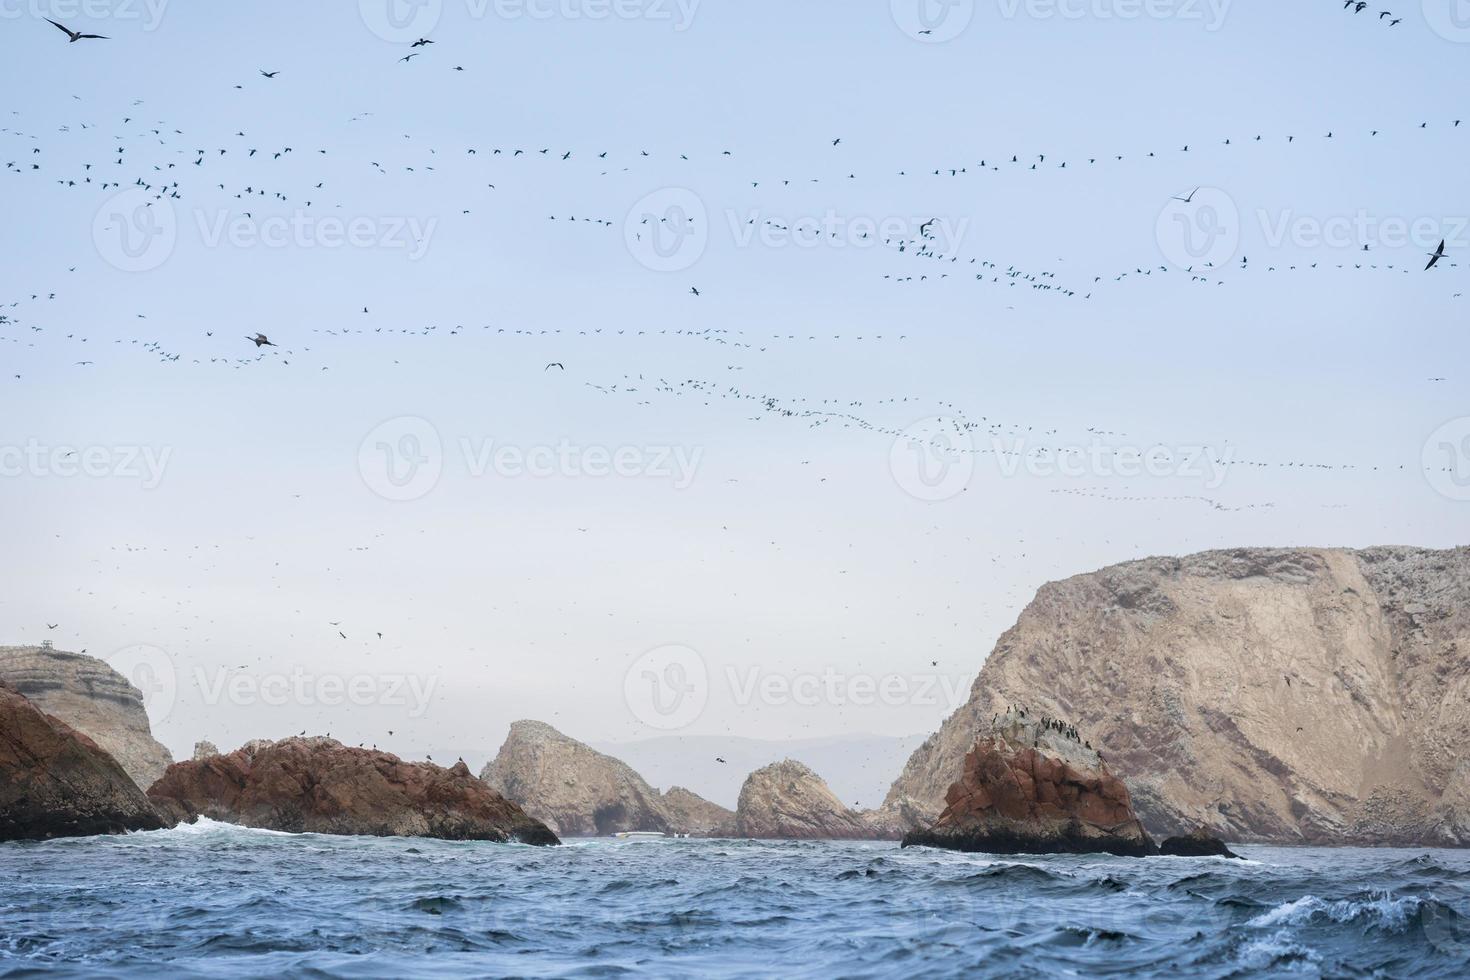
801, 502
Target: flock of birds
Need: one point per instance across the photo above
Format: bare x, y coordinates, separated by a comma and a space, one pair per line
257, 172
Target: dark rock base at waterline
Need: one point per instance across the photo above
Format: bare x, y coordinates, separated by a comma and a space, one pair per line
1198, 844
1069, 840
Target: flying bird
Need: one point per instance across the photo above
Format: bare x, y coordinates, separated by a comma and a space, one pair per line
1435, 256
260, 340
75, 36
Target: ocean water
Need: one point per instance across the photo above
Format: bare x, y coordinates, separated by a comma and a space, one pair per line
221, 901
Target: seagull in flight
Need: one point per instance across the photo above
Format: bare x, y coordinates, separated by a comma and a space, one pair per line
75, 35
1190, 198
260, 340
554, 364
1434, 257
268, 74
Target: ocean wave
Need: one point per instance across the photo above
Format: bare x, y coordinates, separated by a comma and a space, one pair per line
1382, 910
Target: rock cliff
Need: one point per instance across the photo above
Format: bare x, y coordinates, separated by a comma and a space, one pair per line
690, 813
787, 801
319, 785
580, 792
94, 699
1033, 786
1283, 695
57, 782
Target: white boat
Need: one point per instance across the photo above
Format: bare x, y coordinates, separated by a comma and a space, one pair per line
640, 835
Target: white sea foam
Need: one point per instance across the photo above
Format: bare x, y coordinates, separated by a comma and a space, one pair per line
1384, 910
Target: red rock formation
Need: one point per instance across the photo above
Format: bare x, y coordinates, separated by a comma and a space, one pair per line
1033, 790
56, 782
319, 785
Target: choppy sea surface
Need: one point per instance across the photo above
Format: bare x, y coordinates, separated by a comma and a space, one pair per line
222, 901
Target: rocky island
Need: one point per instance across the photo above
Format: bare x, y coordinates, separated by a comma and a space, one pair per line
580, 792
319, 785
1031, 785
1294, 696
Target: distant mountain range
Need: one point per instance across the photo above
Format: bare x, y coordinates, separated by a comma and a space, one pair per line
859, 768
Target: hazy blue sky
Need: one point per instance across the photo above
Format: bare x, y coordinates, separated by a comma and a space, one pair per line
766, 551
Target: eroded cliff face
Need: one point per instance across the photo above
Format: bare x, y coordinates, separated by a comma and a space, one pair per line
1293, 695
94, 699
580, 792
57, 782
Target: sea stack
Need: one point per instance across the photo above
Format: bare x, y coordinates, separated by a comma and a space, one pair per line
1032, 785
788, 801
319, 785
580, 792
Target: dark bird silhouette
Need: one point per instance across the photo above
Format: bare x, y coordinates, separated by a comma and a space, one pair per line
75, 36
554, 364
260, 340
1435, 256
